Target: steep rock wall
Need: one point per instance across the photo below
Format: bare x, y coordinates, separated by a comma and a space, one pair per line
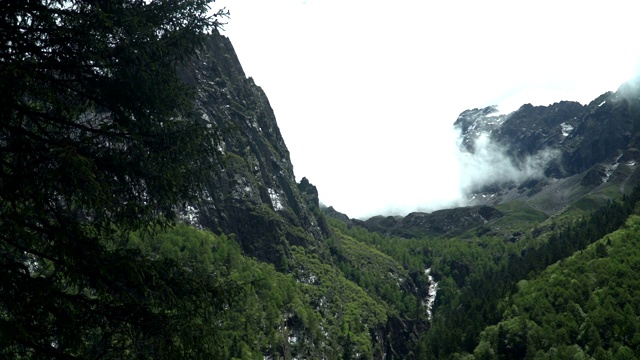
253, 193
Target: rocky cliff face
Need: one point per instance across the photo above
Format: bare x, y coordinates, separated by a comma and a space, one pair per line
584, 135
609, 128
592, 150
253, 193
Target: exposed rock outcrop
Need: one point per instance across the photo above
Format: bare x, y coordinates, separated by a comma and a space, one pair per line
593, 146
253, 193
441, 223
584, 134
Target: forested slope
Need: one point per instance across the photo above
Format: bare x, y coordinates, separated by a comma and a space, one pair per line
553, 295
482, 300
315, 309
584, 306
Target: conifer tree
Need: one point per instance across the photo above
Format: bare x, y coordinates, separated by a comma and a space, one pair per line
99, 138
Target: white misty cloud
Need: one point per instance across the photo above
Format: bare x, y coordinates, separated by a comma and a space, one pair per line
490, 164
441, 175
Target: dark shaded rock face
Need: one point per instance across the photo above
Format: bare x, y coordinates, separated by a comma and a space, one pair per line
531, 129
333, 213
584, 134
448, 222
475, 122
609, 128
253, 193
445, 223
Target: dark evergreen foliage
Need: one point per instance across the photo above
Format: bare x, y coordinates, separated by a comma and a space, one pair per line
458, 324
98, 138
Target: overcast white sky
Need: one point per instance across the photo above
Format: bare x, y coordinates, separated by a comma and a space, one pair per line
365, 92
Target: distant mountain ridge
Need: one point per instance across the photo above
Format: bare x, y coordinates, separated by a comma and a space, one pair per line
580, 150
585, 134
599, 137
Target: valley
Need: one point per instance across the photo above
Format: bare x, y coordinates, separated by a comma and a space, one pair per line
149, 209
